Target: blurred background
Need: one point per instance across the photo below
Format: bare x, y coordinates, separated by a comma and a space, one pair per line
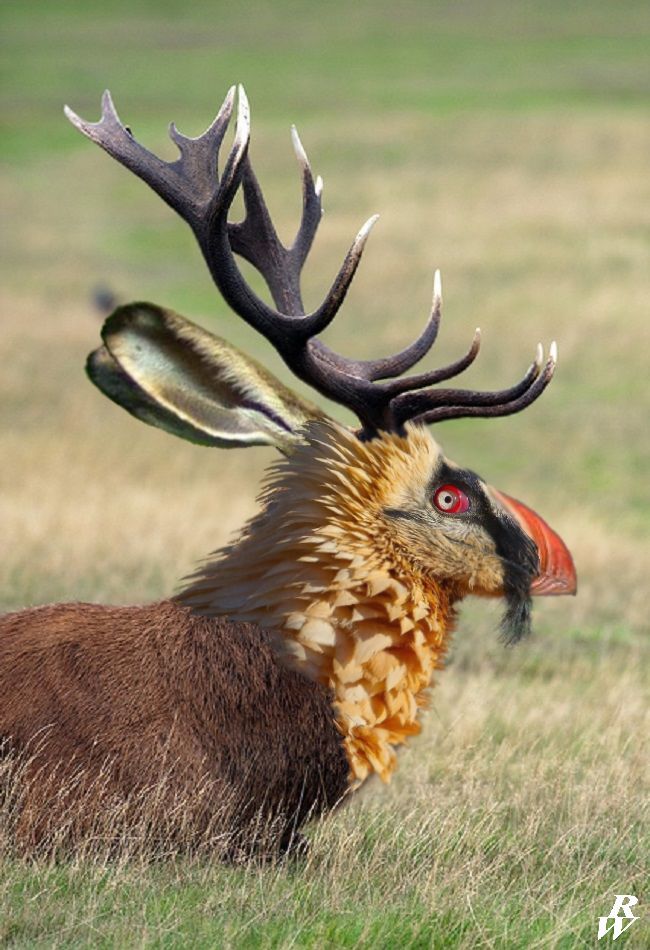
505, 143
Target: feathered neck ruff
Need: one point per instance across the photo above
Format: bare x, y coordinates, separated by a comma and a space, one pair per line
318, 567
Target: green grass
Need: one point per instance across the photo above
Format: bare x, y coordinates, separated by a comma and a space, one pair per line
312, 62
507, 144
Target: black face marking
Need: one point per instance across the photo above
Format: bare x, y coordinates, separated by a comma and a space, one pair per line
517, 551
401, 514
265, 411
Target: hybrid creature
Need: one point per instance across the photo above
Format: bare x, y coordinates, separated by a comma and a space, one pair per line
295, 661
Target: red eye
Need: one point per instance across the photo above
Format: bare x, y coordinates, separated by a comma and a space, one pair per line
450, 500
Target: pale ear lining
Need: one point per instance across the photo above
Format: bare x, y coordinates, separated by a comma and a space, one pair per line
175, 375
106, 374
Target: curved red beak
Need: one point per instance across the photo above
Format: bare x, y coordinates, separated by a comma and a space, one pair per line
557, 571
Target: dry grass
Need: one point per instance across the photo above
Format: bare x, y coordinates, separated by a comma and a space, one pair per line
519, 811
534, 254
511, 152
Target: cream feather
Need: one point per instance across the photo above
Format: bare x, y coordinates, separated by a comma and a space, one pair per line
319, 567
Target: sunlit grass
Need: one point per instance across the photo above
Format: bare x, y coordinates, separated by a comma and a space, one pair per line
514, 818
506, 144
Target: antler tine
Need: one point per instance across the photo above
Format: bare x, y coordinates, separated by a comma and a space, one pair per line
288, 329
391, 366
457, 404
312, 208
192, 186
188, 184
322, 317
413, 403
394, 366
284, 330
233, 169
256, 239
431, 377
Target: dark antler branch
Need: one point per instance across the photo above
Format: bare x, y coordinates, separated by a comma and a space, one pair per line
520, 396
392, 366
438, 375
191, 186
424, 342
411, 404
256, 239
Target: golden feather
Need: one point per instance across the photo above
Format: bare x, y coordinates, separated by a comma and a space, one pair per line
318, 567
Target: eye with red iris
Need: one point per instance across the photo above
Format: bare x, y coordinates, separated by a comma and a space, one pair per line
450, 500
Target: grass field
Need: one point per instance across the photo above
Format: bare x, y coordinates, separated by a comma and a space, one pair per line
506, 144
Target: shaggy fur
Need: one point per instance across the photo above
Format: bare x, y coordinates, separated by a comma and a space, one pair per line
291, 668
107, 701
322, 566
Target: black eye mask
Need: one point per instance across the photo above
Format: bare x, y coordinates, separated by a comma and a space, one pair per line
517, 551
520, 561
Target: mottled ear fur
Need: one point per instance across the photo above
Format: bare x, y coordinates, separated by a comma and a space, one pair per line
173, 374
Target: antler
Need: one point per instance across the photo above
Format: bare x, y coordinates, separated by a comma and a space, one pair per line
192, 187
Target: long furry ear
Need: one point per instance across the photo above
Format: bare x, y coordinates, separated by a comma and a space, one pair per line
173, 374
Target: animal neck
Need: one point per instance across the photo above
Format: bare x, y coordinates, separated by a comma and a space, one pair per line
348, 607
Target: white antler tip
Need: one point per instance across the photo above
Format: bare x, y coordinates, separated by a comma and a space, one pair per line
243, 101
298, 148
367, 228
229, 100
437, 285
108, 106
242, 130
539, 355
76, 120
552, 352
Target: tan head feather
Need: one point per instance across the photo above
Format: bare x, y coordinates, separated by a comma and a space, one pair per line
319, 567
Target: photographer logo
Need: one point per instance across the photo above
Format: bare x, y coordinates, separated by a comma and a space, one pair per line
619, 918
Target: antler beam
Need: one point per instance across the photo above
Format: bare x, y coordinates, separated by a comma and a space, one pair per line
192, 187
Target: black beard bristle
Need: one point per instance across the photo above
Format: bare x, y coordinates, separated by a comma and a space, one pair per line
516, 621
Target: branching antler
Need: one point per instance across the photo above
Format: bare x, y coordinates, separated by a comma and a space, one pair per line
191, 186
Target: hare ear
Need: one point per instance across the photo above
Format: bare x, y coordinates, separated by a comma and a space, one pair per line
172, 374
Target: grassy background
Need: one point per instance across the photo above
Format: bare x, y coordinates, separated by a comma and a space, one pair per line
505, 143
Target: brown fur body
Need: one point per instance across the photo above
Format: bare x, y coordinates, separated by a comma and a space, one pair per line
294, 664
110, 700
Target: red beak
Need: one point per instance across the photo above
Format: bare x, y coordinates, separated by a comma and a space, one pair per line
557, 572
